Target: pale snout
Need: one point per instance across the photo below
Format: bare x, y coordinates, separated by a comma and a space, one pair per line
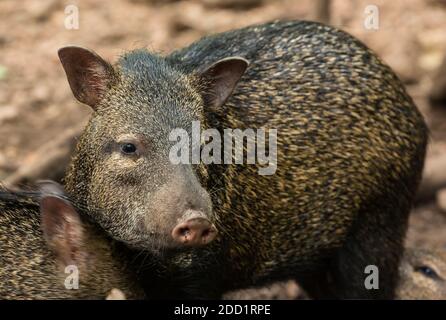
195, 230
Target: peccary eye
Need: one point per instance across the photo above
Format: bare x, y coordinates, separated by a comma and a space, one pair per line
427, 271
128, 148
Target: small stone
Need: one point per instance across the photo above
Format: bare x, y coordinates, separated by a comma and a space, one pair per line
7, 113
3, 72
441, 199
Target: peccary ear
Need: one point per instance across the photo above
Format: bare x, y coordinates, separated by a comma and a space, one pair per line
61, 224
221, 79
88, 74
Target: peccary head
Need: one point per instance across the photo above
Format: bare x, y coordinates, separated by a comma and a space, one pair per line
51, 251
122, 169
422, 274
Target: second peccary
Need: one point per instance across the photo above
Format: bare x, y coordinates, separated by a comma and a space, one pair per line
49, 251
422, 275
350, 151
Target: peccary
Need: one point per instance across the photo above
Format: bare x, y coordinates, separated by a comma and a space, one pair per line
48, 251
350, 152
422, 275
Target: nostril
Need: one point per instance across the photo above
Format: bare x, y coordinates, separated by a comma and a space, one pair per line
182, 233
209, 234
185, 231
195, 231
205, 233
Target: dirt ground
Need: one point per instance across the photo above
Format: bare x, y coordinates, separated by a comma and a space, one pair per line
36, 104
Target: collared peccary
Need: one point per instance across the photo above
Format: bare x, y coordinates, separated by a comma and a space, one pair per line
350, 151
48, 251
422, 275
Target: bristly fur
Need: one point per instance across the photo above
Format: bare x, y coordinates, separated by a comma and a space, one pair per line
351, 148
30, 270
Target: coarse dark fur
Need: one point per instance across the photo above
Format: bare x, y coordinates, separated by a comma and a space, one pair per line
30, 269
351, 147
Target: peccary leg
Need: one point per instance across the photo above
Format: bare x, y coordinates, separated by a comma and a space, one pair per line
376, 240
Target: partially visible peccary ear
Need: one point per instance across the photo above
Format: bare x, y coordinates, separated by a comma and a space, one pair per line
88, 74
221, 79
61, 224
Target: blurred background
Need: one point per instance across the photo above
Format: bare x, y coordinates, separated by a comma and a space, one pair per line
40, 119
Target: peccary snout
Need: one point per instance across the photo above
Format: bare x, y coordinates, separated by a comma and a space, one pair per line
196, 230
180, 211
